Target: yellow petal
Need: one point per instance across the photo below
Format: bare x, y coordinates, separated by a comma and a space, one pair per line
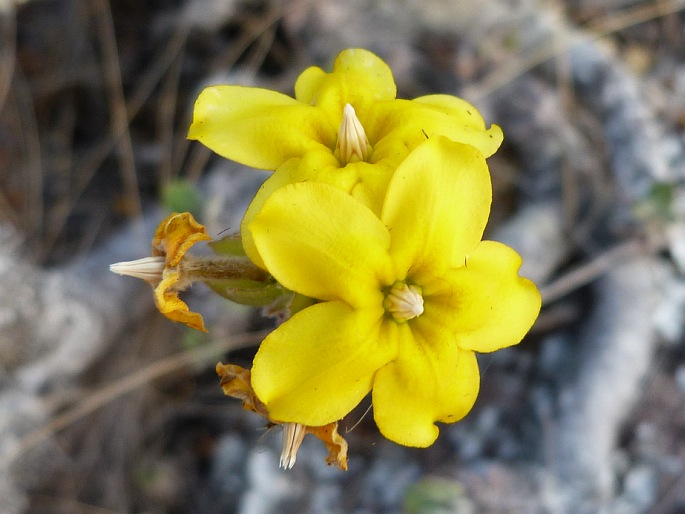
258, 127
308, 84
486, 304
402, 125
457, 108
431, 380
458, 120
319, 241
316, 166
175, 309
364, 181
372, 182
437, 206
359, 78
317, 366
284, 175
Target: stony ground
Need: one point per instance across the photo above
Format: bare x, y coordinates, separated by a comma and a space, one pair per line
107, 407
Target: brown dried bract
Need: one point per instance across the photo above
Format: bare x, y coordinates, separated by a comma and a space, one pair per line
173, 238
235, 381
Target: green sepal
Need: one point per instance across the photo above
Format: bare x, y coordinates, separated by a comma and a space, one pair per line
288, 305
300, 302
248, 292
228, 245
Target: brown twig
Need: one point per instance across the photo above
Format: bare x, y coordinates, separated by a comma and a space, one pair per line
586, 273
50, 503
128, 384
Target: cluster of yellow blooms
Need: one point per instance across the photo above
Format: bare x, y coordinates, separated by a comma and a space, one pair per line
368, 237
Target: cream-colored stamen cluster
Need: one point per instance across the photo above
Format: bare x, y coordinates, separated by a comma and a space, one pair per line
149, 269
404, 302
352, 145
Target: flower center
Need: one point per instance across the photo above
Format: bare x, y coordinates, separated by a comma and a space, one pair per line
352, 145
403, 302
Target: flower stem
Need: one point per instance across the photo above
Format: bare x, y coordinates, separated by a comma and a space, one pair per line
220, 268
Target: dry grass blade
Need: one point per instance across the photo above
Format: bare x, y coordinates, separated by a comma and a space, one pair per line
115, 91
31, 214
165, 119
588, 272
57, 504
598, 29
262, 32
88, 166
8, 49
128, 384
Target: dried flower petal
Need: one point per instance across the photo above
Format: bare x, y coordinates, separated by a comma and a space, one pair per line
236, 383
175, 235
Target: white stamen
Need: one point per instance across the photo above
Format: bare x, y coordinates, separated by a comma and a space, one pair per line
149, 269
293, 434
353, 145
404, 302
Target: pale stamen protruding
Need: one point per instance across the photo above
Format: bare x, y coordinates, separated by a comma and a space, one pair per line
353, 145
404, 302
149, 269
293, 434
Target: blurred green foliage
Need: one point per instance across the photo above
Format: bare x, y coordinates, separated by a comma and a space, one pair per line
436, 495
182, 196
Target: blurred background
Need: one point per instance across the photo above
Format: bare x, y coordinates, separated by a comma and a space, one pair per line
107, 407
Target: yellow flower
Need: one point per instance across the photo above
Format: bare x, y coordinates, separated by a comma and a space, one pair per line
405, 299
175, 235
345, 128
263, 129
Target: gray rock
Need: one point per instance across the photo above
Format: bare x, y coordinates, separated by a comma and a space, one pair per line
616, 346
